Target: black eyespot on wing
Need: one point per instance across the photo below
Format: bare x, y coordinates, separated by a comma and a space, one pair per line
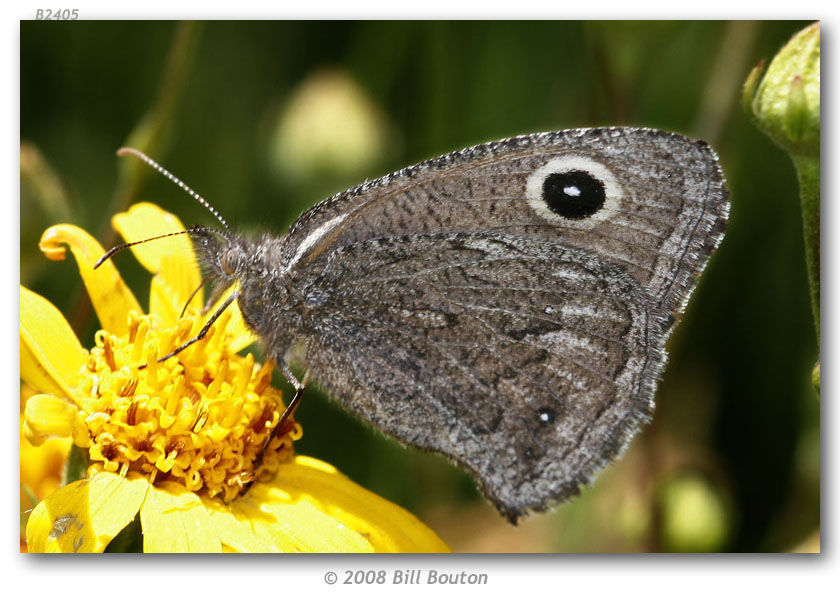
573, 194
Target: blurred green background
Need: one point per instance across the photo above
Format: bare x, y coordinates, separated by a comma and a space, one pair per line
266, 118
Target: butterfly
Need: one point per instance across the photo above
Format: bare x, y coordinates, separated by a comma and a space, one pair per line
506, 305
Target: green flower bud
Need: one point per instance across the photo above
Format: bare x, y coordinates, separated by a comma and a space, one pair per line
785, 100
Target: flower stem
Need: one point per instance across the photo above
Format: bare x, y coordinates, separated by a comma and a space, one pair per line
808, 171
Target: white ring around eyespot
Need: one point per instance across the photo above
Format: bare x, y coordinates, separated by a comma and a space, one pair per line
574, 162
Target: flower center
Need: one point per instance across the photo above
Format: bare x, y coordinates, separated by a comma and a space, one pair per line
201, 418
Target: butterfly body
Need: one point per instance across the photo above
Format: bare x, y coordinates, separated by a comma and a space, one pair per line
506, 305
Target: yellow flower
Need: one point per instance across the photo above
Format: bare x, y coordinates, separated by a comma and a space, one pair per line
179, 443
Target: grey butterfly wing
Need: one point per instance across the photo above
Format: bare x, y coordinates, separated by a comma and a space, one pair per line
455, 308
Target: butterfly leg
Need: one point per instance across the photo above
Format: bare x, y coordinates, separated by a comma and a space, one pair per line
201, 333
300, 387
187, 303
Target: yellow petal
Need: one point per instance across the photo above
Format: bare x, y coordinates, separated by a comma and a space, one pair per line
41, 466
34, 373
47, 416
110, 296
175, 520
50, 353
263, 524
388, 527
235, 531
85, 515
298, 525
171, 289
144, 220
172, 259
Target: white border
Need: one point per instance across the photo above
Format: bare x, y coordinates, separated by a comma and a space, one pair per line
573, 578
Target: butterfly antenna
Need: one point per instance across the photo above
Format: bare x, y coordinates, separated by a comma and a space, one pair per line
121, 247
134, 152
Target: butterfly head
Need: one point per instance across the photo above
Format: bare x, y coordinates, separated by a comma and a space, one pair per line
221, 253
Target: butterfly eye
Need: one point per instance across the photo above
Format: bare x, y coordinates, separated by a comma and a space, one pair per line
573, 194
229, 261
